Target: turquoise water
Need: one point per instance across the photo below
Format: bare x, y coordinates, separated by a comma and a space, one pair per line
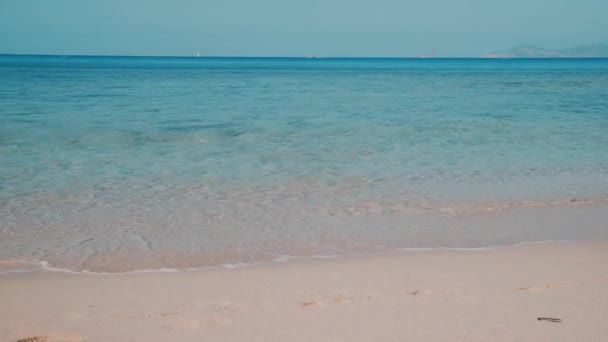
215, 160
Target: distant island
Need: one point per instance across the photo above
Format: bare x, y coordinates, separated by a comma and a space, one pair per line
530, 51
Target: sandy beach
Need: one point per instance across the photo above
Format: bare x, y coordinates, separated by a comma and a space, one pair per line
303, 171
543, 292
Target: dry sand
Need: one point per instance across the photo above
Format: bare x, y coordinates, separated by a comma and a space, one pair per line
495, 295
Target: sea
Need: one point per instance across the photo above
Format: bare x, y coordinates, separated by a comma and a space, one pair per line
121, 164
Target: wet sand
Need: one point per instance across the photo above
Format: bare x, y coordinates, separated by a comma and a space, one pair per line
545, 292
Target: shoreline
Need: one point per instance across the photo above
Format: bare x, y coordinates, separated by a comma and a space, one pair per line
44, 266
95, 251
490, 294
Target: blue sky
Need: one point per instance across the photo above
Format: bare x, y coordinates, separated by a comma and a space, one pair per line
296, 28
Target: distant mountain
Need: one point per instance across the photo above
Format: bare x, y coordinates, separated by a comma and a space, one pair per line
530, 51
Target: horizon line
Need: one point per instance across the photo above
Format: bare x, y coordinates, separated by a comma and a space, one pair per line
225, 56
283, 57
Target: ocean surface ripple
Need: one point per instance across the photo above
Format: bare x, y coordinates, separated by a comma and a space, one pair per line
123, 163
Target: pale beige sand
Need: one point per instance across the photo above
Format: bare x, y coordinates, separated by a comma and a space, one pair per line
442, 295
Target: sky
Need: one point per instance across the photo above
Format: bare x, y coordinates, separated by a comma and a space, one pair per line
391, 28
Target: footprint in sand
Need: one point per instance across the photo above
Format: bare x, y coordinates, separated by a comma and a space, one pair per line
461, 296
333, 299
537, 288
313, 304
421, 292
223, 306
215, 314
227, 307
66, 338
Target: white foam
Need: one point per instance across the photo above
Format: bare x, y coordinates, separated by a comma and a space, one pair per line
46, 267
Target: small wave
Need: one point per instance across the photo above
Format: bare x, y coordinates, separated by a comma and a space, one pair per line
477, 208
45, 266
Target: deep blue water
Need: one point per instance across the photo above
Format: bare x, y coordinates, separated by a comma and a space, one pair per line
236, 148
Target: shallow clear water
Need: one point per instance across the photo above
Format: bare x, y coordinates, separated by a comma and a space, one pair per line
212, 160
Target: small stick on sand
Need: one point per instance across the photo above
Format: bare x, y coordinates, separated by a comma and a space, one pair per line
550, 319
